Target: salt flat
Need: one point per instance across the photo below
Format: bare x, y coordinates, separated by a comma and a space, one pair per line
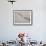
22, 17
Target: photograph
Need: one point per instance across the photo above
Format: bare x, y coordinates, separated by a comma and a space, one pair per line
22, 16
22, 22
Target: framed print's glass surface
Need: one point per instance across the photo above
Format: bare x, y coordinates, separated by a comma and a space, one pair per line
22, 17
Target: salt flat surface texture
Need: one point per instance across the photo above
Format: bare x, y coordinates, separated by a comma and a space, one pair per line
22, 16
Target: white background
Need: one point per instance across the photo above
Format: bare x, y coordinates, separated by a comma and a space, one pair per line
38, 30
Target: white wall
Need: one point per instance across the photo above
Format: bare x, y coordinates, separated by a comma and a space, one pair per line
38, 30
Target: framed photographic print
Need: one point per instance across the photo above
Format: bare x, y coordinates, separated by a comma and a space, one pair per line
22, 17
